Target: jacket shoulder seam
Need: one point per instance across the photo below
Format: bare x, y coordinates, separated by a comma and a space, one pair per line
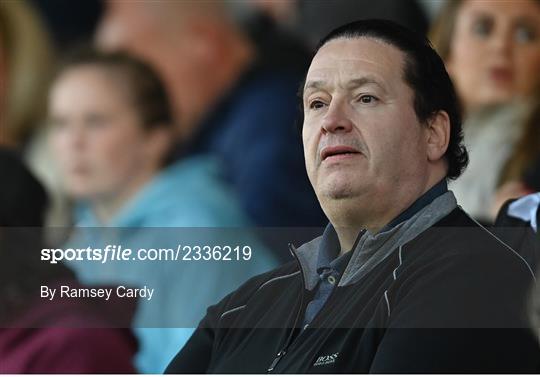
394, 275
505, 245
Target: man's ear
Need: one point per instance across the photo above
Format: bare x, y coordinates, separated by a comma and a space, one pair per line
438, 135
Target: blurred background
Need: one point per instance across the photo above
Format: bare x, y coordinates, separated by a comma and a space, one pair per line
178, 113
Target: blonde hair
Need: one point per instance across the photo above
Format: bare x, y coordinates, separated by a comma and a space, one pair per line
27, 56
442, 29
527, 149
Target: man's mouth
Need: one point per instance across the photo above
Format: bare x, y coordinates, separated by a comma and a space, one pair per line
339, 151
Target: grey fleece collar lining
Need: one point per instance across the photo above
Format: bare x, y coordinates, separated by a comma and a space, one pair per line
371, 249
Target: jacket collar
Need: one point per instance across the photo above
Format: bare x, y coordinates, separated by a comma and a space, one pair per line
372, 249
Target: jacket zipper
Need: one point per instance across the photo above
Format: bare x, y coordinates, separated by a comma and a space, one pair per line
283, 351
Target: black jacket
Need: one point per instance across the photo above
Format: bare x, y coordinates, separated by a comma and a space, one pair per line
449, 300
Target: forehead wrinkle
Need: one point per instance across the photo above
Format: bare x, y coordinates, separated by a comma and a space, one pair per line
363, 81
343, 66
348, 84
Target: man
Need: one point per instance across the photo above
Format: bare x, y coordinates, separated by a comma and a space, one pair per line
233, 93
402, 280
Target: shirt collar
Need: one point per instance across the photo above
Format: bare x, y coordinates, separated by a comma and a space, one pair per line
429, 196
329, 250
526, 209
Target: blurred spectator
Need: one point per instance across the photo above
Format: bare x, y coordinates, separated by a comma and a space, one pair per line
25, 66
112, 132
236, 100
521, 173
491, 135
38, 335
491, 49
517, 224
492, 52
111, 129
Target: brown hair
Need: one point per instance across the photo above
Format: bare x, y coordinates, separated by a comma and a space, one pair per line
148, 94
527, 149
442, 29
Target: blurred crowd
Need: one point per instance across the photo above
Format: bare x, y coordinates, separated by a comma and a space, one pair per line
140, 114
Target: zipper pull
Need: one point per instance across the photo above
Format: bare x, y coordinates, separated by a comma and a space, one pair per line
276, 360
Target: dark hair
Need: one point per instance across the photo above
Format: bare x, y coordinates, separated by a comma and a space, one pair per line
149, 96
424, 72
23, 199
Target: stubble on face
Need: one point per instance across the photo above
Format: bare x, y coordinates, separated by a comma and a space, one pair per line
343, 71
384, 130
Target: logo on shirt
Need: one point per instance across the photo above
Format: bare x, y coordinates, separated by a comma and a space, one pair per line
326, 360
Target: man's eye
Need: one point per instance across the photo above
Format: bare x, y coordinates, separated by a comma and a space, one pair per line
367, 98
316, 105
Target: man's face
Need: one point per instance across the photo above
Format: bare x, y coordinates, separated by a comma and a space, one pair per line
361, 136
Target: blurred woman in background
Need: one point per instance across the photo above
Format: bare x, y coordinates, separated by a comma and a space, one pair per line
112, 129
492, 52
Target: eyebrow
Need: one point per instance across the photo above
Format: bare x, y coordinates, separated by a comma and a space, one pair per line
351, 84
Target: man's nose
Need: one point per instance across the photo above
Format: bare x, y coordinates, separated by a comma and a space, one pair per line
336, 119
